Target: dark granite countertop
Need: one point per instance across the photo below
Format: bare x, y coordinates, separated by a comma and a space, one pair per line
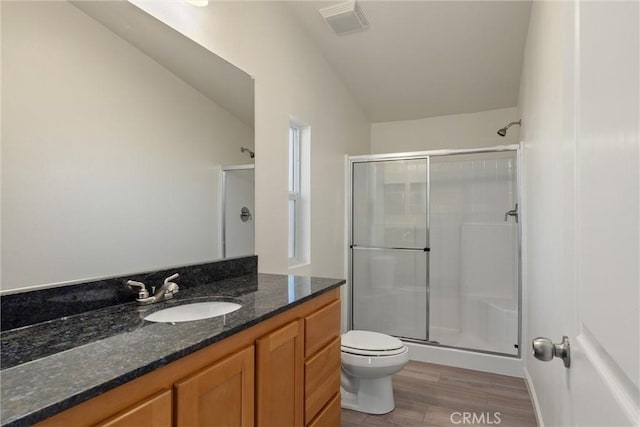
51, 366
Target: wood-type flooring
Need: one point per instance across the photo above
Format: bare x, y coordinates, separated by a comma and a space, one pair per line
434, 395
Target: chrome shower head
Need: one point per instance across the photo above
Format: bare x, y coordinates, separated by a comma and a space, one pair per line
251, 153
503, 131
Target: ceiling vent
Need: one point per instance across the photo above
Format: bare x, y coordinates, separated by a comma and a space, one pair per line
345, 18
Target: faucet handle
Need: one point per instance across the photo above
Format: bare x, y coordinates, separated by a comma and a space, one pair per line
170, 288
170, 278
143, 292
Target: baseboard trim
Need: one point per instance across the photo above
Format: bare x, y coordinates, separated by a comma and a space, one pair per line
533, 396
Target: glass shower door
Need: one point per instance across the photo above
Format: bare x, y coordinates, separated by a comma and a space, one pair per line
474, 290
389, 247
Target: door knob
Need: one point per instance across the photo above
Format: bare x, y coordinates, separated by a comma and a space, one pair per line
544, 349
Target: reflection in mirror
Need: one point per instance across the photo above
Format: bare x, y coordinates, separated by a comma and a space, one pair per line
238, 197
116, 131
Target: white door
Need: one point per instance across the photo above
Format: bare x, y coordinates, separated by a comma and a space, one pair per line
602, 382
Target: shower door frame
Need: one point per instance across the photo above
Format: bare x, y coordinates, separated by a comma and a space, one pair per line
414, 155
384, 158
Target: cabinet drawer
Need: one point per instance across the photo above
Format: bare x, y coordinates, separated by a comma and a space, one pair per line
322, 379
330, 416
153, 412
321, 327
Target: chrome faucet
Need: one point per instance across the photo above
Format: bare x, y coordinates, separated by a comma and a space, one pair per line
166, 291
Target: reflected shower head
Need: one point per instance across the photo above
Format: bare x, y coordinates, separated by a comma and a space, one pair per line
251, 153
503, 131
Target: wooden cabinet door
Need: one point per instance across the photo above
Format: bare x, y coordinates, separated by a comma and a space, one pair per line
153, 412
220, 395
280, 358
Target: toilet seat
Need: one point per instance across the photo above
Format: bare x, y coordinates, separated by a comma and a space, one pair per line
366, 343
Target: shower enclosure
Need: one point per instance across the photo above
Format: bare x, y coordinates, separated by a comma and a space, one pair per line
434, 248
238, 194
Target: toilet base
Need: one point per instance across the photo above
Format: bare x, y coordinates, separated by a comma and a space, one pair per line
375, 396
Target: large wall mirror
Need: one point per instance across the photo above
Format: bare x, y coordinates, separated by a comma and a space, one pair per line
126, 146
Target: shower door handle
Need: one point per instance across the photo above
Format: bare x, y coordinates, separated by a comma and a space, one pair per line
383, 248
513, 212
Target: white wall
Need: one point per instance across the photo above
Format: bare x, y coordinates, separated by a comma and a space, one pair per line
108, 160
471, 130
292, 78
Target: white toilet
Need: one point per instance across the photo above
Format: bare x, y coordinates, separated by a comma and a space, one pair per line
369, 359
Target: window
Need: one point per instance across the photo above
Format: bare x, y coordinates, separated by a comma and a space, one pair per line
298, 244
294, 190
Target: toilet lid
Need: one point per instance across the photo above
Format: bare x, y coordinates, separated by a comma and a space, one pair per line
366, 342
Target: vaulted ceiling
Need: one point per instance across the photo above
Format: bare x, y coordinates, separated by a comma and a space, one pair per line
222, 82
426, 58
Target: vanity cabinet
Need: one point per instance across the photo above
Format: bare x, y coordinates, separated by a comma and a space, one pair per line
153, 412
284, 371
322, 363
220, 395
330, 414
279, 376
322, 379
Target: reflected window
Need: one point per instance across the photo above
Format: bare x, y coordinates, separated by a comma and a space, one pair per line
298, 239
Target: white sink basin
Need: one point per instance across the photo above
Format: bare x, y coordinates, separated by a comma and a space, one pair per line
193, 311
